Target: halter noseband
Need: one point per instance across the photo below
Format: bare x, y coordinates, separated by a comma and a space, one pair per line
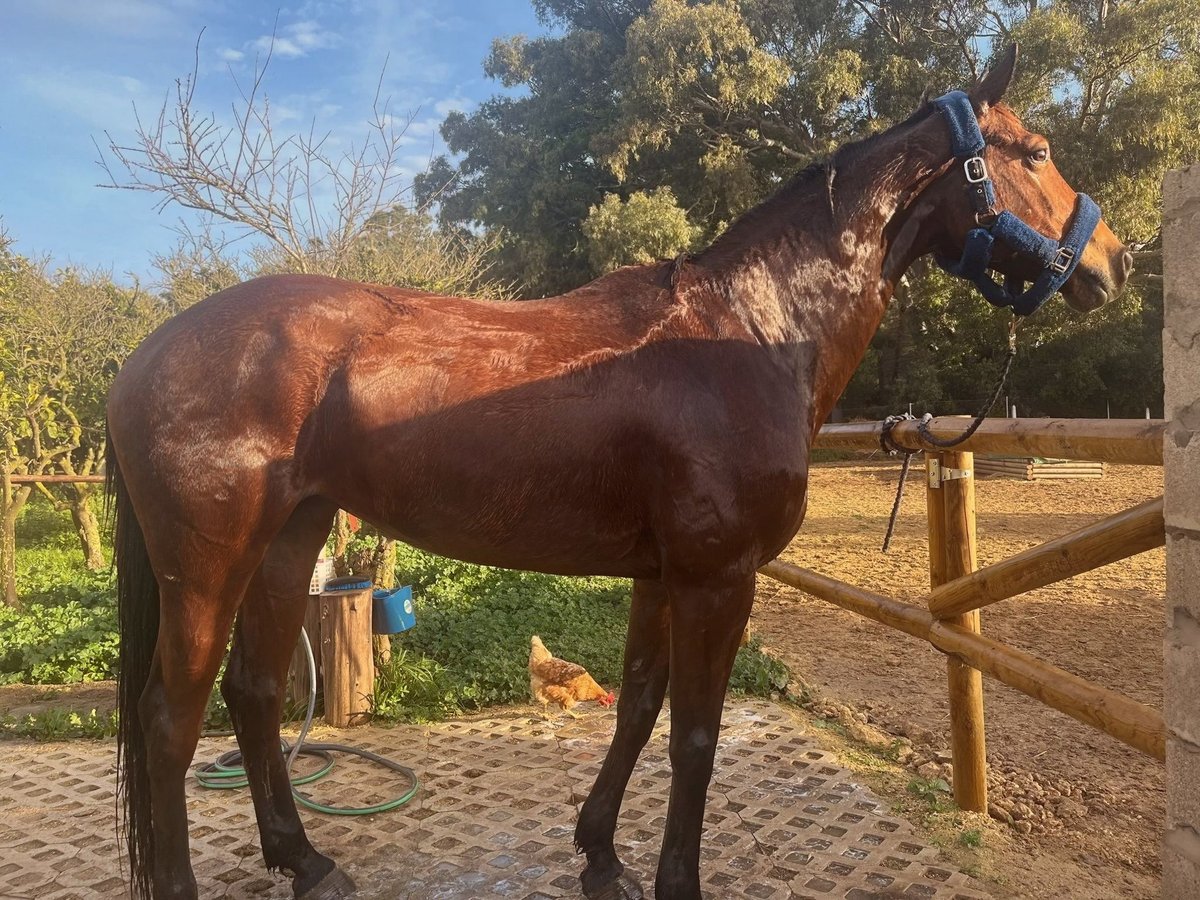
1058, 259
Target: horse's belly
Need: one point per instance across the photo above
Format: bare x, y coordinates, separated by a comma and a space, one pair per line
554, 538
564, 511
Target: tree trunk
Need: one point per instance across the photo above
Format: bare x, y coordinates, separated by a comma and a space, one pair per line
892, 356
86, 526
8, 555
385, 577
385, 572
341, 543
12, 499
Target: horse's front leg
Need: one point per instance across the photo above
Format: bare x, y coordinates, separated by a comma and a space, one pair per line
647, 657
707, 621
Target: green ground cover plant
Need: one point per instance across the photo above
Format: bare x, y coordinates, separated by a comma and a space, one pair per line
469, 649
65, 630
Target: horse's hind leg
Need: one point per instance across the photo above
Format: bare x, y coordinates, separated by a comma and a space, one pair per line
267, 628
647, 656
707, 621
197, 608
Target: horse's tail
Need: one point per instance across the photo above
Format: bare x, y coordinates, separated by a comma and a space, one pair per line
137, 617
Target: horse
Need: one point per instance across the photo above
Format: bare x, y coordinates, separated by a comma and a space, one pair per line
654, 424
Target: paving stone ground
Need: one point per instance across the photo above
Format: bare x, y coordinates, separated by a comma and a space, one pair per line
494, 817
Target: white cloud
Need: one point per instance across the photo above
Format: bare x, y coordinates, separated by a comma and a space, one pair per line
296, 39
228, 54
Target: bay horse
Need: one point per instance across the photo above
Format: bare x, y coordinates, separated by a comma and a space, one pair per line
654, 424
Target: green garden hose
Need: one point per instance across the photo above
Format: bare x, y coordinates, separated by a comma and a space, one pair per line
228, 773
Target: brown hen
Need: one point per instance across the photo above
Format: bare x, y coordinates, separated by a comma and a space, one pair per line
554, 680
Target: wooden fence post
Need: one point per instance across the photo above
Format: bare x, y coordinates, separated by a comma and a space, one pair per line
936, 515
346, 656
952, 554
1181, 458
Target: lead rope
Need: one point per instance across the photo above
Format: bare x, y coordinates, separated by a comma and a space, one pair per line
889, 446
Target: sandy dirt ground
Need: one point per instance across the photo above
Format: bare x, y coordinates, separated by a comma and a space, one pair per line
1085, 810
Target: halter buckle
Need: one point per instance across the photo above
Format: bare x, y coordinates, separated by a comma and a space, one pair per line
1063, 259
975, 169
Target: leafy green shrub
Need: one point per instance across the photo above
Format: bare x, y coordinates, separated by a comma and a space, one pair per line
757, 673
413, 688
65, 630
50, 577
470, 647
57, 724
59, 643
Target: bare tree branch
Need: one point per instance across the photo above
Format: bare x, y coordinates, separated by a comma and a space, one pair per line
262, 183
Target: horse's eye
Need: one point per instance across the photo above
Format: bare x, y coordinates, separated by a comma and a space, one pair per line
1040, 156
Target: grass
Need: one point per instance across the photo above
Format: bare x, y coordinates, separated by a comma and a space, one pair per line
469, 649
971, 837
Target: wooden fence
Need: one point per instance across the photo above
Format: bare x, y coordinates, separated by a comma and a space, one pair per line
949, 617
56, 479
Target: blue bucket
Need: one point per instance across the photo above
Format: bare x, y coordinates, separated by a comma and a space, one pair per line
392, 612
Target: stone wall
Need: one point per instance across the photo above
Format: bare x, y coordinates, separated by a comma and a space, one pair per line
1181, 681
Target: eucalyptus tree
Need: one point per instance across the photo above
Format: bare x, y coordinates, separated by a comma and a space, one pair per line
721, 101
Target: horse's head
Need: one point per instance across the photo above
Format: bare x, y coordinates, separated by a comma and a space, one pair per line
1028, 185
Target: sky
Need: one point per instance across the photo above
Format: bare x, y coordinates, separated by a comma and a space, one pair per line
76, 70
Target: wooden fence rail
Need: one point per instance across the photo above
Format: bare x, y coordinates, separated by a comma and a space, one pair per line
949, 619
56, 479
1136, 441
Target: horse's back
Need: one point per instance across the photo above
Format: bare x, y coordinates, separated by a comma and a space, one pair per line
217, 398
556, 434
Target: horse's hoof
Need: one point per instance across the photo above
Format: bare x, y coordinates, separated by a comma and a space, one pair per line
334, 886
623, 887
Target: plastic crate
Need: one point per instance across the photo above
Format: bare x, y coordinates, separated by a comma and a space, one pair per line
322, 573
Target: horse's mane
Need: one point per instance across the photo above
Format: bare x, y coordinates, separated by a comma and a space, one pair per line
803, 187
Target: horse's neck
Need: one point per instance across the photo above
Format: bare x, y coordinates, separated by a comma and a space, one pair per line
817, 270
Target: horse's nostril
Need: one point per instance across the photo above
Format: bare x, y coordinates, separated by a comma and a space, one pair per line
1126, 263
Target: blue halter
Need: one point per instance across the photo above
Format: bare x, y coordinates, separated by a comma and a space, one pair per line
1058, 259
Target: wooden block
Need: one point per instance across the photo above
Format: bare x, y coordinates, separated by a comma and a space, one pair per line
348, 668
298, 674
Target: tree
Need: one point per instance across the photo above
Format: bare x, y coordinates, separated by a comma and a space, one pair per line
721, 101
64, 335
646, 227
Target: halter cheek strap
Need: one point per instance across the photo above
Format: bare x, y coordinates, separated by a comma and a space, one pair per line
1058, 259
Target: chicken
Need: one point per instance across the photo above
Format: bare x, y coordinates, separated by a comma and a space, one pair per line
554, 680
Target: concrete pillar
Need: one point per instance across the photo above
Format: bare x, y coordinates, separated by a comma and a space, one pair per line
1181, 456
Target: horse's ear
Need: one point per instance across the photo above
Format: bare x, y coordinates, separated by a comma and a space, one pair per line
991, 87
